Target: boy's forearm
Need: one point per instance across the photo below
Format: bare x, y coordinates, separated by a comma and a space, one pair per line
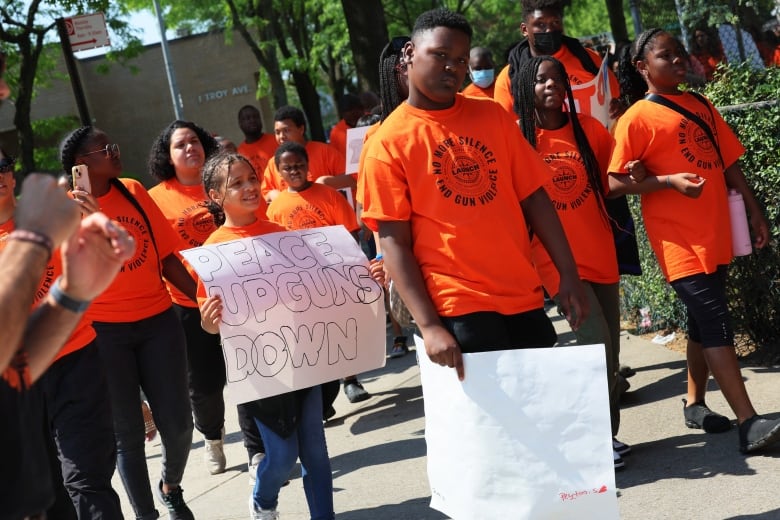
21, 267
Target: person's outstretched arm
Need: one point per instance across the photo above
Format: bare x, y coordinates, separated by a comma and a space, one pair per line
396, 242
544, 222
44, 211
91, 258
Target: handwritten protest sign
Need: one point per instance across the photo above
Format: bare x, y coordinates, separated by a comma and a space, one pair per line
299, 308
526, 435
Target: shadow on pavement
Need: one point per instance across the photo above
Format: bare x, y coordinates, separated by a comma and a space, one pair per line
415, 509
694, 456
375, 455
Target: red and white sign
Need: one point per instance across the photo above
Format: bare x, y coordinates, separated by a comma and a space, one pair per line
87, 31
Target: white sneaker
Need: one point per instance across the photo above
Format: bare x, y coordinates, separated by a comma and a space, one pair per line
261, 514
253, 464
215, 456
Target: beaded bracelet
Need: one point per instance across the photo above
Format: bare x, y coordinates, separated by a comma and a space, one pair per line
25, 235
668, 181
65, 301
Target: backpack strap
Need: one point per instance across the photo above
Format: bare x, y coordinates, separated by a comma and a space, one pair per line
668, 103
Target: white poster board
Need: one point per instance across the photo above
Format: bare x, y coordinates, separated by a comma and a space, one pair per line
355, 137
299, 309
526, 435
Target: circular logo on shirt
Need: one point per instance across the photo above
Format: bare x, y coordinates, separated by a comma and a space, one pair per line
195, 225
568, 187
465, 172
306, 217
140, 233
695, 145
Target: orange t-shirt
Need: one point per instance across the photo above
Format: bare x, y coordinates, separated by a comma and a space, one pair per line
458, 176
227, 233
338, 136
316, 206
586, 226
138, 291
689, 236
83, 333
259, 152
323, 160
578, 76
473, 90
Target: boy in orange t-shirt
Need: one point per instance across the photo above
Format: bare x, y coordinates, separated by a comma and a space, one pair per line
326, 164
350, 108
542, 26
452, 186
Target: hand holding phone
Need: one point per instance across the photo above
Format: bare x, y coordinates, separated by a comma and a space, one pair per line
80, 174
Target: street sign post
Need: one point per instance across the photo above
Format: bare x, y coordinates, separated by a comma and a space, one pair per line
87, 31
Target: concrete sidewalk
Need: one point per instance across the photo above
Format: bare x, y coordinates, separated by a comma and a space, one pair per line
377, 451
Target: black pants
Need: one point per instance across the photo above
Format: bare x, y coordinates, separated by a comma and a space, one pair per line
488, 331
79, 416
205, 373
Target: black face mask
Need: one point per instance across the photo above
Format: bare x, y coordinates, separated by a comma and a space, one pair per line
548, 43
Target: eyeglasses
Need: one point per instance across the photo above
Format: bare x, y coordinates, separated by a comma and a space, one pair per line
7, 164
110, 150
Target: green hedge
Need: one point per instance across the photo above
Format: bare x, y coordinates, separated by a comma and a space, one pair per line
754, 281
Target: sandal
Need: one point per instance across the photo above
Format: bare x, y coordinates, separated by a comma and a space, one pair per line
150, 429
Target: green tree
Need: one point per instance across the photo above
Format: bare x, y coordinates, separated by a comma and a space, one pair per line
24, 31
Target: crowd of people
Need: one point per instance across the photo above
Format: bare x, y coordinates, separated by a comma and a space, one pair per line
107, 318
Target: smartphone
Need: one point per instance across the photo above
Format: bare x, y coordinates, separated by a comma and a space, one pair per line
80, 174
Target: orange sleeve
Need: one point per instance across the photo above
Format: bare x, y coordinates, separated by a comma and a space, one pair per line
271, 179
338, 136
502, 93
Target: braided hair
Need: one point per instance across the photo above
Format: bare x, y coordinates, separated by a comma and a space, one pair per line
631, 81
71, 145
523, 91
390, 65
216, 173
159, 163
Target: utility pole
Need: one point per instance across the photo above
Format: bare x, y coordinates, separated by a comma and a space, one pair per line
178, 110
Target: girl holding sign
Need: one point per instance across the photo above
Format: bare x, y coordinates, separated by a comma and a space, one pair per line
291, 423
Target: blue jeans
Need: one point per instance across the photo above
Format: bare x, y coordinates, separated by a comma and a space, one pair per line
308, 442
149, 353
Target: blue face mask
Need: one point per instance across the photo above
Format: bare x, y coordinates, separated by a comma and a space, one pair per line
482, 78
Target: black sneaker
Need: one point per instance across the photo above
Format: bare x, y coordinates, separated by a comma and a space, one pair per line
699, 417
355, 391
174, 501
757, 433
